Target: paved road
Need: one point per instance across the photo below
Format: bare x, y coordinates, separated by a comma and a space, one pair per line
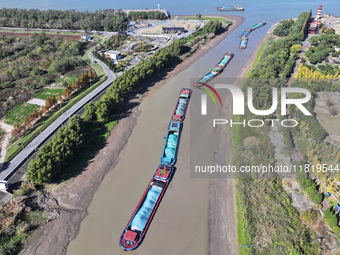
19, 159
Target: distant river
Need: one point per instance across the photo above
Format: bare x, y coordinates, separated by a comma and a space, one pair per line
269, 10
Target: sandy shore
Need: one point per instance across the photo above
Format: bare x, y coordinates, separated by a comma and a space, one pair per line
73, 197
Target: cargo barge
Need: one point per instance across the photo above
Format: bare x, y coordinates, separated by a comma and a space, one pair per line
181, 105
244, 37
258, 25
216, 71
246, 33
243, 43
231, 8
225, 60
170, 149
141, 218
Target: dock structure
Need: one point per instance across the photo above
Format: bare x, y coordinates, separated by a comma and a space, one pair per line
146, 10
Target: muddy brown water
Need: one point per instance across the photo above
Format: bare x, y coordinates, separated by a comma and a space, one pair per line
181, 223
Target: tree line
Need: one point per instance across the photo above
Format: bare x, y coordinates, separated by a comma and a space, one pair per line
104, 20
322, 47
213, 26
44, 169
299, 28
136, 15
81, 82
131, 79
277, 62
58, 153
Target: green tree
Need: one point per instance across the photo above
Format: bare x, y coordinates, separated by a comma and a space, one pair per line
90, 112
102, 111
56, 154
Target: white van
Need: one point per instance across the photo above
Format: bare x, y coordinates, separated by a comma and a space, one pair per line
3, 185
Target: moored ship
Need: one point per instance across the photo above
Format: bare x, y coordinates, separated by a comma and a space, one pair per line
231, 8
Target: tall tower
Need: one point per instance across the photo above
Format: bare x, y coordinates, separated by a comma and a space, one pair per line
319, 12
159, 6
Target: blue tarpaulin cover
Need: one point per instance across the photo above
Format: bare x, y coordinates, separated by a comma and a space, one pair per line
170, 149
244, 43
224, 61
245, 33
141, 217
256, 26
182, 102
207, 77
337, 207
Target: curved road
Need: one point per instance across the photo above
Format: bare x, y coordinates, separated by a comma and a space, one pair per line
22, 156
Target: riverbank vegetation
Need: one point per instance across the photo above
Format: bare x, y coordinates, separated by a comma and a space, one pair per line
138, 15
57, 154
266, 215
69, 151
145, 70
104, 20
296, 29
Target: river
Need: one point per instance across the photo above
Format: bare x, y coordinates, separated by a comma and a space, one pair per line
180, 225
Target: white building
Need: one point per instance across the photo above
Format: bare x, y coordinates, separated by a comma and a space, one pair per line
85, 37
113, 55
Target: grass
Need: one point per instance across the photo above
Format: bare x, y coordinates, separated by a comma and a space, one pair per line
109, 126
44, 94
2, 133
96, 66
330, 201
98, 38
68, 79
259, 54
17, 147
19, 113
303, 146
205, 18
241, 235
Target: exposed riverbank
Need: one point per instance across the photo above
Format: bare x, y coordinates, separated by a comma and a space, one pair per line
74, 197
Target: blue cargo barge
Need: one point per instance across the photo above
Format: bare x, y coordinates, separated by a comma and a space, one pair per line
181, 105
243, 43
170, 149
141, 218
